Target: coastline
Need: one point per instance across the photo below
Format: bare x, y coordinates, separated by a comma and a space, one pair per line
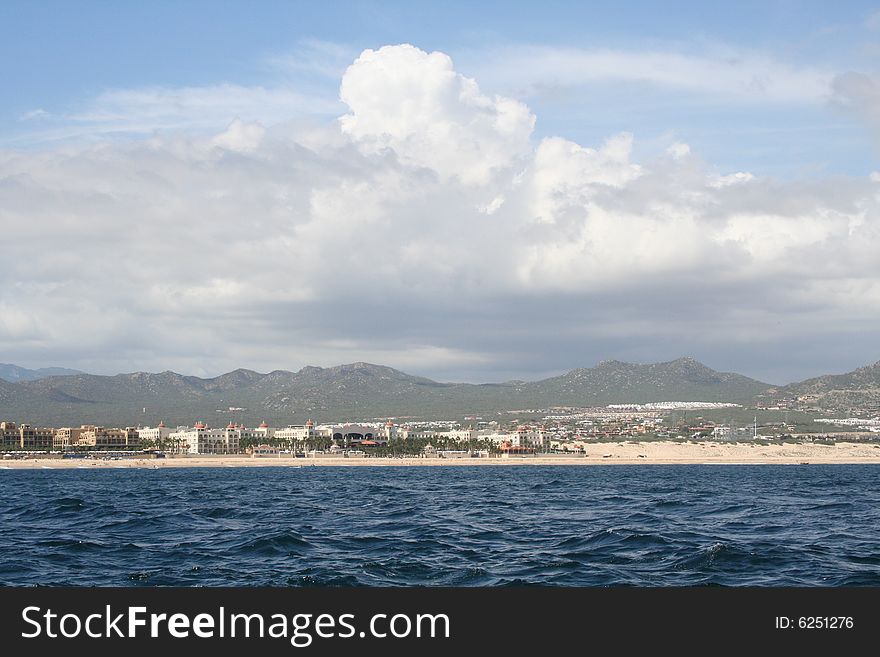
647, 453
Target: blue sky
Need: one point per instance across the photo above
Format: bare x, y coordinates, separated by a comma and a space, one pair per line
526, 188
58, 56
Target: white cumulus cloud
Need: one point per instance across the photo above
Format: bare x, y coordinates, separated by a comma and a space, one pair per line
415, 104
428, 228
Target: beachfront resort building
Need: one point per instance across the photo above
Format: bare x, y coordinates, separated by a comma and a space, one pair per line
263, 432
461, 435
25, 436
104, 438
351, 434
454, 435
157, 436
201, 439
90, 436
390, 431
10, 436
36, 437
407, 433
523, 438
67, 437
237, 433
297, 435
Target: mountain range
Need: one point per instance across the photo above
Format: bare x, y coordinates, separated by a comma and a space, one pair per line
362, 390
14, 373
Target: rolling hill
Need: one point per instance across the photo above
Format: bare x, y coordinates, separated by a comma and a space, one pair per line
346, 392
850, 393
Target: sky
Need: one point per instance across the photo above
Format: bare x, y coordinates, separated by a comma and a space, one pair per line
471, 191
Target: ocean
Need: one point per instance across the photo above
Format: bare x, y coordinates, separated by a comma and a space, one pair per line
644, 525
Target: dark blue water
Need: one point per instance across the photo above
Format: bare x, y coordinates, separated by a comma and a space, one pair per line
474, 526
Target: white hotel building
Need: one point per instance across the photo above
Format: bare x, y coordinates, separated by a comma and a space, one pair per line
524, 436
263, 432
296, 434
157, 435
201, 439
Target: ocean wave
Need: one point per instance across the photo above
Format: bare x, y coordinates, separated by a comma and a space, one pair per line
274, 543
559, 526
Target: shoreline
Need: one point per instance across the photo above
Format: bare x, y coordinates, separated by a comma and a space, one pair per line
649, 453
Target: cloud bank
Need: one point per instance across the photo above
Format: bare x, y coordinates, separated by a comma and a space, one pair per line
426, 228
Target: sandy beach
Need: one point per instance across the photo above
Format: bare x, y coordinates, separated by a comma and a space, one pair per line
601, 454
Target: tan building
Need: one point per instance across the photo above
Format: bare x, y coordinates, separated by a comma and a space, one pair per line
10, 436
104, 438
66, 437
39, 438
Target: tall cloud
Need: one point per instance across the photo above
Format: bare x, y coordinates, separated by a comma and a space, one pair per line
415, 104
